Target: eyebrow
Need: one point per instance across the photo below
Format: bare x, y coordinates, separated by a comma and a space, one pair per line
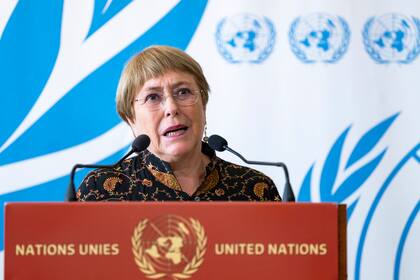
177, 84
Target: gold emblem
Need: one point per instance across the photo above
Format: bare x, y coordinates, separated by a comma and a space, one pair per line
169, 246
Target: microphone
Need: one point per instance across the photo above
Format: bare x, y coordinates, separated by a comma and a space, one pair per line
220, 144
139, 144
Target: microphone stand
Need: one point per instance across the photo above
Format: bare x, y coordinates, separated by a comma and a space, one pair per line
288, 194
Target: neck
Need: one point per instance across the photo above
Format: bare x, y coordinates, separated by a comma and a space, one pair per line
190, 172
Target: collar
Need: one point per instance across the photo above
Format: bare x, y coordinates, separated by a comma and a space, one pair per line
163, 172
148, 158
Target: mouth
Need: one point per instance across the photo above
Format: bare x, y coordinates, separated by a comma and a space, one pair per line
175, 130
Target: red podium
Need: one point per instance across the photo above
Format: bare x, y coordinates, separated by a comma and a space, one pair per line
175, 240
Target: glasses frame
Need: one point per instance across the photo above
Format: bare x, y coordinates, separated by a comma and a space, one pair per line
142, 102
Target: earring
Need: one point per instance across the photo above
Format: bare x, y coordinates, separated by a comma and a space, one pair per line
205, 138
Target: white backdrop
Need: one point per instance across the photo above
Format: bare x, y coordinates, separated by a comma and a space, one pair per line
329, 87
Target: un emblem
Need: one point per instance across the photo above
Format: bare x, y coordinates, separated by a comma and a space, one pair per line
392, 38
319, 38
169, 246
245, 38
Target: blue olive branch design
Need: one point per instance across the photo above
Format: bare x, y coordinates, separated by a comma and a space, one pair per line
358, 177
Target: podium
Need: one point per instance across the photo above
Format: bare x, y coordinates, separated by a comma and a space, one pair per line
175, 240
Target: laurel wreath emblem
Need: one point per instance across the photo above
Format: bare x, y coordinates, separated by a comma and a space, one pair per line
265, 52
147, 268
338, 53
376, 56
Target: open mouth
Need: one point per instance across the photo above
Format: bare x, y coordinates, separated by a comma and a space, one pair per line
175, 130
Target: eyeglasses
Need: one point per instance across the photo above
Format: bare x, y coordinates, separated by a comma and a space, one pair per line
182, 97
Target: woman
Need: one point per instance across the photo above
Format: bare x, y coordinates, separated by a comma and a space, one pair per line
163, 93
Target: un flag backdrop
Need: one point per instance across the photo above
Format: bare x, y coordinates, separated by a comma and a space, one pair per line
329, 87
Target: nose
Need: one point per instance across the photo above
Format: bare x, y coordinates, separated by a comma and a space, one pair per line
170, 106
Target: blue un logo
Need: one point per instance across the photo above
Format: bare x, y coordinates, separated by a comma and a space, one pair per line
319, 37
392, 38
245, 38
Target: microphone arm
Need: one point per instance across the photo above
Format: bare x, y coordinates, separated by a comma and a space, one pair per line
139, 144
288, 194
220, 144
279, 164
71, 190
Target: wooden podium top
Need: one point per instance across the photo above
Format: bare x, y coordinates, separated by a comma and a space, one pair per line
175, 240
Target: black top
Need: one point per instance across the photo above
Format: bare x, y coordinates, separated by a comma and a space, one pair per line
146, 177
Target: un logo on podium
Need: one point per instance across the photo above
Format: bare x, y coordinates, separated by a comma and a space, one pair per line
169, 246
392, 38
319, 38
245, 38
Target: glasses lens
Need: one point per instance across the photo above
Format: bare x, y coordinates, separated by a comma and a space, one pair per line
185, 96
182, 96
152, 101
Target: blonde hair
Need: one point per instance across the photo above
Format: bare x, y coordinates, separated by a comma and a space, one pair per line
153, 62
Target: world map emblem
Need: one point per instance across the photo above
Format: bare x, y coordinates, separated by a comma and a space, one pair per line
319, 37
392, 38
169, 246
245, 38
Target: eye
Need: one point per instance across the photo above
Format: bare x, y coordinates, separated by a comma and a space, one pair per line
183, 93
152, 98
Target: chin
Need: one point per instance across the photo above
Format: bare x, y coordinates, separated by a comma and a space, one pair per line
179, 150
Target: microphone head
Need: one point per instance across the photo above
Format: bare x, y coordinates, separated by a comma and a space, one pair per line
217, 143
140, 143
